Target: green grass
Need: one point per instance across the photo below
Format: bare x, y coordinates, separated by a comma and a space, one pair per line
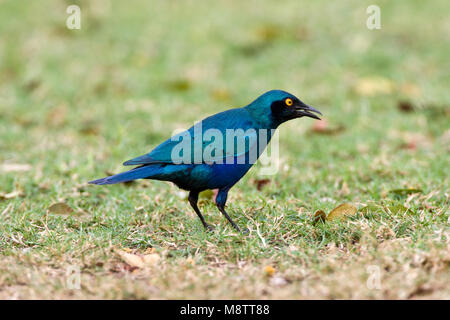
75, 104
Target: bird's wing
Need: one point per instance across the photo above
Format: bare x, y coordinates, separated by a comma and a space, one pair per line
231, 119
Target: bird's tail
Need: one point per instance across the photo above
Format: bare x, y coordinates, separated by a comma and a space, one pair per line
133, 174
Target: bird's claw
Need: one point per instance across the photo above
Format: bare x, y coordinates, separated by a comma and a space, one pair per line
244, 231
209, 227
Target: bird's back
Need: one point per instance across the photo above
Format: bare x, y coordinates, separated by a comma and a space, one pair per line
232, 119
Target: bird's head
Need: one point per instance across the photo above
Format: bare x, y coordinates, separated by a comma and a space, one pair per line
277, 106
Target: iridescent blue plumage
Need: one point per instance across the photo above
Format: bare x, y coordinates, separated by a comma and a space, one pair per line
206, 166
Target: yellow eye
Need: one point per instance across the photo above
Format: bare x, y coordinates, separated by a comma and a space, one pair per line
288, 102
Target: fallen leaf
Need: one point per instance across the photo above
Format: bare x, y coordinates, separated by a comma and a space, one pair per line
268, 32
406, 191
253, 48
260, 183
269, 270
14, 167
372, 86
60, 208
398, 209
323, 127
436, 111
179, 84
90, 127
32, 84
320, 125
131, 259
345, 209
411, 145
319, 215
405, 106
371, 209
134, 260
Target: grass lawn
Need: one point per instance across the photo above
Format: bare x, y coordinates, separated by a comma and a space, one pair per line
75, 104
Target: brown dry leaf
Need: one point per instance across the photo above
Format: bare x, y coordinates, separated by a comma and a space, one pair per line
90, 127
260, 183
319, 215
323, 127
413, 141
60, 208
14, 167
269, 270
405, 191
138, 261
268, 32
179, 85
345, 209
131, 259
405, 106
372, 86
412, 145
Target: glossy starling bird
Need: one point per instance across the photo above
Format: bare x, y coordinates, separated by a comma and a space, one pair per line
196, 163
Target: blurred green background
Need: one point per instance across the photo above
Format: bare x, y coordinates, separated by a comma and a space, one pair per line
136, 71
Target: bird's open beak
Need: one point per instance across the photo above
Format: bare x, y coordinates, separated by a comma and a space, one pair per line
303, 110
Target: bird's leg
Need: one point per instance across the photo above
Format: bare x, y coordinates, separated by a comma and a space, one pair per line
193, 199
221, 199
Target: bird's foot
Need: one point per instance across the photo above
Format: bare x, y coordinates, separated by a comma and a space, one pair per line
244, 231
209, 227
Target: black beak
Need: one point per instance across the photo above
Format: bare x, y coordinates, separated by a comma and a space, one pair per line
303, 110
